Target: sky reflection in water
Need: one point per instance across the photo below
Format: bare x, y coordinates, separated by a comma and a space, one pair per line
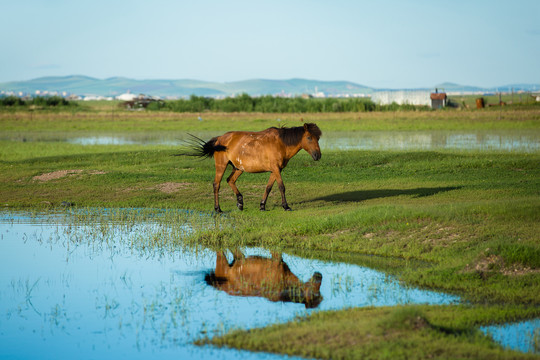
495, 140
64, 294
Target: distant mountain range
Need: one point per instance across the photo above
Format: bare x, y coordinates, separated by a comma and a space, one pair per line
85, 86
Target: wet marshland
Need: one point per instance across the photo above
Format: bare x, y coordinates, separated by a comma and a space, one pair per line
109, 286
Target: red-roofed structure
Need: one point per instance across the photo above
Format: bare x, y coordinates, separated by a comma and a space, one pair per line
438, 100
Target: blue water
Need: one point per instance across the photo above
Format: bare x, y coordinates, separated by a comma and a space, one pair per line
86, 292
508, 140
487, 140
517, 336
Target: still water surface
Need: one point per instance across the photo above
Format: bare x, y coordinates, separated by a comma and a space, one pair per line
64, 294
68, 292
483, 140
510, 140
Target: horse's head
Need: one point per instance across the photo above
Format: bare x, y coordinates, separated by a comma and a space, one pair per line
312, 291
310, 140
308, 293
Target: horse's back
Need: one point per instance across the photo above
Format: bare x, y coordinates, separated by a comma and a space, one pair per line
231, 138
260, 275
252, 151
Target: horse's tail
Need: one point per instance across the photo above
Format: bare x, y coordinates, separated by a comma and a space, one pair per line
199, 148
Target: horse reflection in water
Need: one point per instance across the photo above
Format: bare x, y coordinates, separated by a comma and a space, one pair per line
264, 277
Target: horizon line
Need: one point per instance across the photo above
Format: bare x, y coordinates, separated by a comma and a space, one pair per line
440, 85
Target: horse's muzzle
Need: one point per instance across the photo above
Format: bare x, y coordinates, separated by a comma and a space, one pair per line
316, 155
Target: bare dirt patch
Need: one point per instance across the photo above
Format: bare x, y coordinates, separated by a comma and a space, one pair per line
437, 235
495, 263
170, 187
55, 175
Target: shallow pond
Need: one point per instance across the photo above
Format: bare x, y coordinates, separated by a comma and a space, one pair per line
496, 140
375, 140
523, 336
492, 140
87, 291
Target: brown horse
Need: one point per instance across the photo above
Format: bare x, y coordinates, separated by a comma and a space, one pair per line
265, 151
264, 277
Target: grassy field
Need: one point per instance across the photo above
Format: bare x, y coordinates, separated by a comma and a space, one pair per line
493, 100
462, 222
107, 117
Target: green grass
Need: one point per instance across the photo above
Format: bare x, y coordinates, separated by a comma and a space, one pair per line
108, 118
516, 100
402, 332
475, 216
463, 222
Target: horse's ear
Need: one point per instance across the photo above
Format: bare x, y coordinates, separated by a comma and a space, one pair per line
305, 127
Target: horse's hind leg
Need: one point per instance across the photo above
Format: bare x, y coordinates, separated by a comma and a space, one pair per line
221, 165
231, 180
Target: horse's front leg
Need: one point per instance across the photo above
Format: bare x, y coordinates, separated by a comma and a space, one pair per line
282, 191
275, 176
222, 264
267, 191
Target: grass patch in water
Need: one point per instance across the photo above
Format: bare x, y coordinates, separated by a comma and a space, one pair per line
402, 332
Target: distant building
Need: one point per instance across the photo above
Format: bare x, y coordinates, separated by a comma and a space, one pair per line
139, 102
438, 100
401, 97
318, 94
73, 97
96, 98
126, 97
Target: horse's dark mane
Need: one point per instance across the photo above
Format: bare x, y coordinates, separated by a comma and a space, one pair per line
293, 135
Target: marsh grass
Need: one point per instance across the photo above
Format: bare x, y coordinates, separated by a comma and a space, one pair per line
145, 231
462, 222
473, 215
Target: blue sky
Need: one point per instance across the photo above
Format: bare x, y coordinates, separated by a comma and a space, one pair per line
391, 44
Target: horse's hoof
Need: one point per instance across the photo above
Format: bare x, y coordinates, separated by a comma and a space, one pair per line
240, 207
218, 211
286, 208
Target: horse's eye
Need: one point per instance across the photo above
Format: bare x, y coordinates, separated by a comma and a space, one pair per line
309, 138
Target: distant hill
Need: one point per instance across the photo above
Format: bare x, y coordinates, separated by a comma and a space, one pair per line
451, 87
84, 85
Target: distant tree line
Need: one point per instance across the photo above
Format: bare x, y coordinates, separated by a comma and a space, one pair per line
271, 104
41, 101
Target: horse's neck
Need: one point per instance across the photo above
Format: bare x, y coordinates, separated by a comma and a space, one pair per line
292, 150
